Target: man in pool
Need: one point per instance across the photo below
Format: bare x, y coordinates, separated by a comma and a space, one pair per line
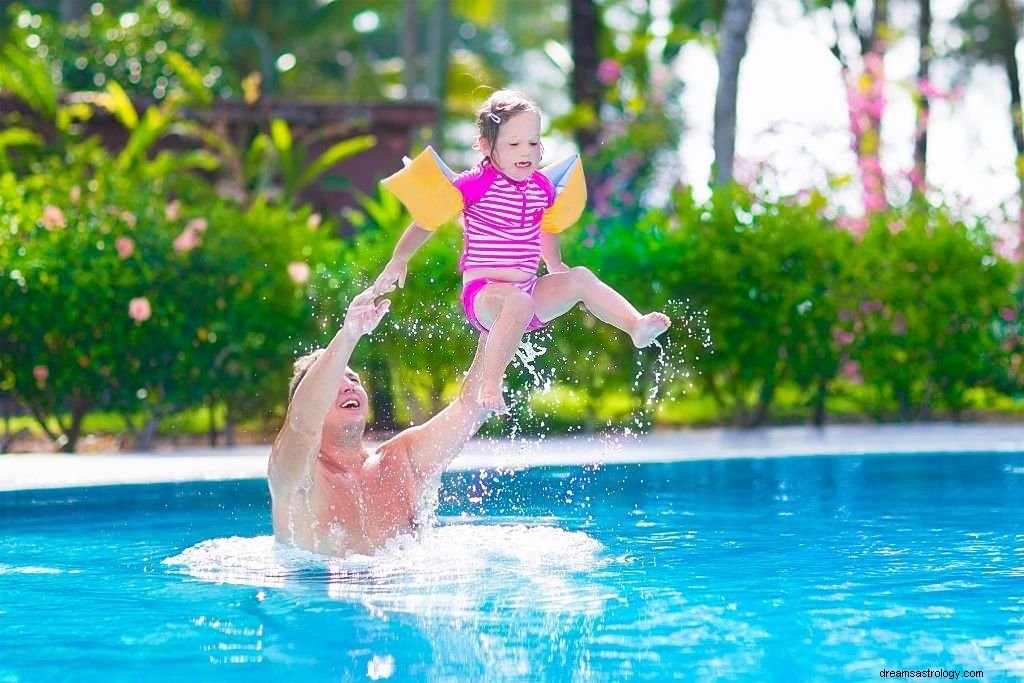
329, 493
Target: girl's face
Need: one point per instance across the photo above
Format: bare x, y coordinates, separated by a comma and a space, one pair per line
517, 149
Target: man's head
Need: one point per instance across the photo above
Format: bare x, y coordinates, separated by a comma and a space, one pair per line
299, 369
350, 410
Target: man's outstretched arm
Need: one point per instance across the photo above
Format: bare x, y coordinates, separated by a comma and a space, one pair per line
299, 439
436, 442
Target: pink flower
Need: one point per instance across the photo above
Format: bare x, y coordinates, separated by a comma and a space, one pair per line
139, 309
608, 71
173, 210
843, 337
1007, 314
53, 217
299, 272
858, 225
916, 179
874, 64
313, 222
196, 225
928, 89
76, 194
125, 247
129, 219
40, 372
186, 241
851, 372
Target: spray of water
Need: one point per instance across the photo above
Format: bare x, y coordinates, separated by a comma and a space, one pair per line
540, 375
543, 374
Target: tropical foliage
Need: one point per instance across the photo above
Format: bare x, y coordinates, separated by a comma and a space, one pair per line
143, 283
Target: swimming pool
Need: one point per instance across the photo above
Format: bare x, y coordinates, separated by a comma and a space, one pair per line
798, 568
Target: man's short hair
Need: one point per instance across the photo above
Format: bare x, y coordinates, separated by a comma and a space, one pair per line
300, 368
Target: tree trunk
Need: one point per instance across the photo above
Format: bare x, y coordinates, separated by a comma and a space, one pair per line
69, 440
585, 28
144, 441
410, 47
735, 26
818, 416
437, 67
211, 411
230, 423
924, 32
1010, 15
764, 402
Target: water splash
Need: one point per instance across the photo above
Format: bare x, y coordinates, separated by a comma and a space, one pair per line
445, 571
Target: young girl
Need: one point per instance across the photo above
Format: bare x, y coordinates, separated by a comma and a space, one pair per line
504, 200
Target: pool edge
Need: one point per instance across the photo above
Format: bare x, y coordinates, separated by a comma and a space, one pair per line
50, 470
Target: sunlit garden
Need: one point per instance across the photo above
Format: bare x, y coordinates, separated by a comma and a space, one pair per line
174, 230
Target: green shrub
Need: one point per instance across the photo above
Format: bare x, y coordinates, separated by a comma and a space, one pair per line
930, 289
217, 292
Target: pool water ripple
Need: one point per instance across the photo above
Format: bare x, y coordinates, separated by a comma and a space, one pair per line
798, 568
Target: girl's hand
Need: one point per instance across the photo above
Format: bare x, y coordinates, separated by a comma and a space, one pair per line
394, 273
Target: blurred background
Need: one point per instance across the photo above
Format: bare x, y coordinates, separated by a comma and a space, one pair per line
825, 195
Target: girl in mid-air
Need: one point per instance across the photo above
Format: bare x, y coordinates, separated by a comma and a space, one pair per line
512, 213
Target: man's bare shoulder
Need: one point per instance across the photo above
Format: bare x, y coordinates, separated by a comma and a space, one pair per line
398, 445
289, 460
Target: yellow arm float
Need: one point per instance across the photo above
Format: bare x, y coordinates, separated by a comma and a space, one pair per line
425, 187
570, 194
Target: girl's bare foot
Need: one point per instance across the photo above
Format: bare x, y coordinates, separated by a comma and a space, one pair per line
648, 327
491, 399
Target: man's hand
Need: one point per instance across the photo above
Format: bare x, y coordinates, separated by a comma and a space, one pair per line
363, 314
393, 274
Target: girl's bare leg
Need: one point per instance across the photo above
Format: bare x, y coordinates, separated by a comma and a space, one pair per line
506, 310
470, 391
556, 293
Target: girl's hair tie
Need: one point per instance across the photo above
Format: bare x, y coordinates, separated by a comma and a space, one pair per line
494, 117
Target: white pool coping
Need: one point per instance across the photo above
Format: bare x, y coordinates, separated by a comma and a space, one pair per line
50, 470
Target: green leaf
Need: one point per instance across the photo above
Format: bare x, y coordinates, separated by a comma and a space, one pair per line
281, 135
190, 78
116, 101
29, 80
335, 154
19, 137
255, 162
68, 114
153, 125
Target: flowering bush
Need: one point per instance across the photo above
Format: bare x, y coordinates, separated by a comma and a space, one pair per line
116, 297
921, 330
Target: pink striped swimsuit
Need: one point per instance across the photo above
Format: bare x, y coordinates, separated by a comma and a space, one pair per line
501, 220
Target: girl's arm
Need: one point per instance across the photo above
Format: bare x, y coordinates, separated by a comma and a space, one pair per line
394, 272
551, 252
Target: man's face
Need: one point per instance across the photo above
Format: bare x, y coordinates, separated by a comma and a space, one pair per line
351, 404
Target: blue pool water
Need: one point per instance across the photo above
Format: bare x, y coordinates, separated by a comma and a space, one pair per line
787, 569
